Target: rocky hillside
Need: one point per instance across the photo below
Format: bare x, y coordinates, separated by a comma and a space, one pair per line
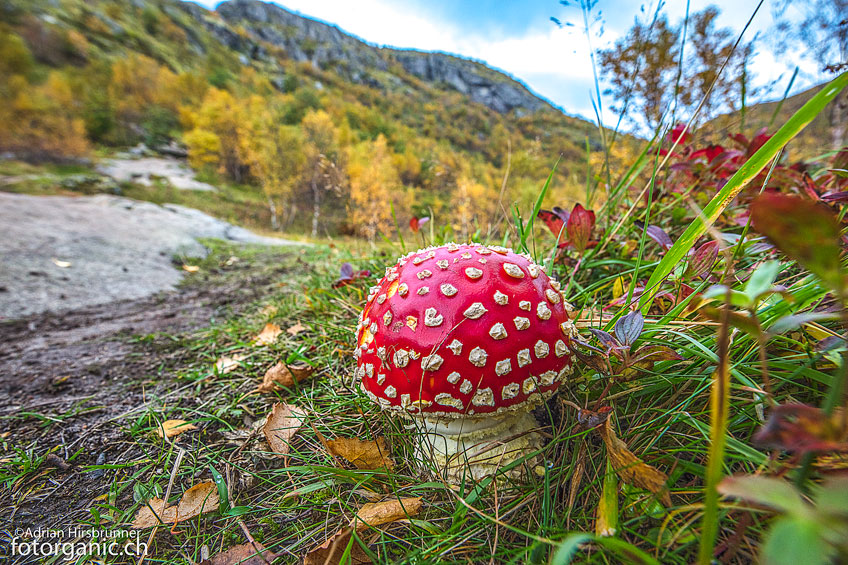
329, 48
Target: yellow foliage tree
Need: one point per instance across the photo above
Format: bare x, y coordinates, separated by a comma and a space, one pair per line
374, 187
274, 154
40, 122
223, 116
474, 205
137, 85
322, 158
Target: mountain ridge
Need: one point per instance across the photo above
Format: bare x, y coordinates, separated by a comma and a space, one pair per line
328, 46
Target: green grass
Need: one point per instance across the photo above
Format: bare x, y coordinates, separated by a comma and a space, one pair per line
664, 413
664, 417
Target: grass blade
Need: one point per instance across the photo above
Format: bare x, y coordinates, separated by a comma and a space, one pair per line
738, 181
528, 229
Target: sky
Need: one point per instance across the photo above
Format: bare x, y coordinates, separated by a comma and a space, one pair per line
518, 37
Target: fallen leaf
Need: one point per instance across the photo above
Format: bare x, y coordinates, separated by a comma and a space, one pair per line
227, 364
282, 375
377, 513
191, 268
296, 329
363, 454
171, 428
245, 554
331, 551
283, 422
268, 310
631, 469
589, 419
61, 264
799, 428
199, 499
269, 334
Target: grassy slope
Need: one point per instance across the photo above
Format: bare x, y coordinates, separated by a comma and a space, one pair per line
812, 141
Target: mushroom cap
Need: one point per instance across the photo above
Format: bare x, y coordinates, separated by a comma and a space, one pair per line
463, 330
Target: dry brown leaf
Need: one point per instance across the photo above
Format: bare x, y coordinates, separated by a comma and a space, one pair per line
245, 554
283, 422
226, 364
268, 310
331, 551
199, 499
171, 428
363, 454
296, 329
377, 513
281, 375
191, 268
269, 334
631, 469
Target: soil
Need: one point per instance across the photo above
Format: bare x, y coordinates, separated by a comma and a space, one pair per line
68, 378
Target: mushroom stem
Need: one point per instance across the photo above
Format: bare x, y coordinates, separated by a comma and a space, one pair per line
474, 448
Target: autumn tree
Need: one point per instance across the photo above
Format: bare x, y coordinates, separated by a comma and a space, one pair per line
648, 78
374, 186
322, 156
136, 94
272, 152
40, 121
819, 27
710, 47
212, 134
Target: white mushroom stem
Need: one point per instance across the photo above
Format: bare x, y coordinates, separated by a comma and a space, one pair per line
474, 448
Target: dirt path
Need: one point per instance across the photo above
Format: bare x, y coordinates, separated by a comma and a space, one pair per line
63, 253
69, 381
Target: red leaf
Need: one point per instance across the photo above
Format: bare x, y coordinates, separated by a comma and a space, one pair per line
799, 428
710, 152
579, 227
834, 197
679, 134
655, 353
805, 231
555, 219
702, 260
416, 224
740, 139
758, 141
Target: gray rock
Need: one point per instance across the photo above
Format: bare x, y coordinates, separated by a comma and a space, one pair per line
61, 253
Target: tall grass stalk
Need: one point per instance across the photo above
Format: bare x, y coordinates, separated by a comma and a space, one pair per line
746, 173
719, 408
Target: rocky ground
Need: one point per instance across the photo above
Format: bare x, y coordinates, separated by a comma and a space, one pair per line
144, 170
64, 253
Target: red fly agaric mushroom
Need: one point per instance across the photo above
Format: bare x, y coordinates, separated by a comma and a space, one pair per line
466, 340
